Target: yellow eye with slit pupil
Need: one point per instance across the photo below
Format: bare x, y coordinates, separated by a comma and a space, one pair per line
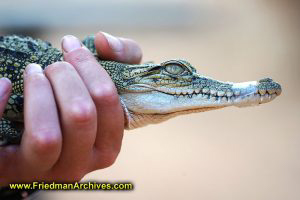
174, 69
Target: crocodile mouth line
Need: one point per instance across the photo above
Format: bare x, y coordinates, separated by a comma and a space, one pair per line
182, 92
209, 94
229, 98
192, 110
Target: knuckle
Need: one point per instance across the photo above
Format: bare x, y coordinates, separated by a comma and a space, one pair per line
107, 159
36, 78
81, 112
57, 67
79, 56
45, 142
105, 95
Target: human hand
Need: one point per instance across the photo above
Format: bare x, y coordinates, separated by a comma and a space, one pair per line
73, 118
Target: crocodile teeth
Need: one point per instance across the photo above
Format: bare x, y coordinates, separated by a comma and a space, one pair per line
197, 91
262, 92
237, 92
205, 90
271, 91
221, 93
190, 91
184, 92
172, 91
168, 90
224, 98
229, 93
213, 92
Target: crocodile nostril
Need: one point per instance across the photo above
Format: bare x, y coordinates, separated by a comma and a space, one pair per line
266, 80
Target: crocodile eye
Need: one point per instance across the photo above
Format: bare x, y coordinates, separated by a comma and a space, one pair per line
174, 69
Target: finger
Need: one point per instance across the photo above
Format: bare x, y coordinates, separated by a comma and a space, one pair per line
104, 94
118, 49
10, 165
41, 143
77, 114
5, 89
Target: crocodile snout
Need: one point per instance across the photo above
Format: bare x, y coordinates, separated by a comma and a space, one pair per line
267, 85
256, 92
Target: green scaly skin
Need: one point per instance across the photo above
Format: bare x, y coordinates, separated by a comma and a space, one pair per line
149, 93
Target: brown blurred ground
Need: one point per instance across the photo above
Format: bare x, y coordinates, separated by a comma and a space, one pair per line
231, 154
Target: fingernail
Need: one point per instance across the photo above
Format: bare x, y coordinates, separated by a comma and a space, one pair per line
4, 86
113, 42
33, 68
70, 43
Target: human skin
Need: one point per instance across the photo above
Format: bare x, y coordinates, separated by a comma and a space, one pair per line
73, 118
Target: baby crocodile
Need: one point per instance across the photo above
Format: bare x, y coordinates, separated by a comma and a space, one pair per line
149, 93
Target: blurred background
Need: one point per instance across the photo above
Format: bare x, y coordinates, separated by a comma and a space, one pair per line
229, 154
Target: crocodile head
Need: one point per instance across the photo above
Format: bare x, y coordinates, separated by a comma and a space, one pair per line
156, 92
